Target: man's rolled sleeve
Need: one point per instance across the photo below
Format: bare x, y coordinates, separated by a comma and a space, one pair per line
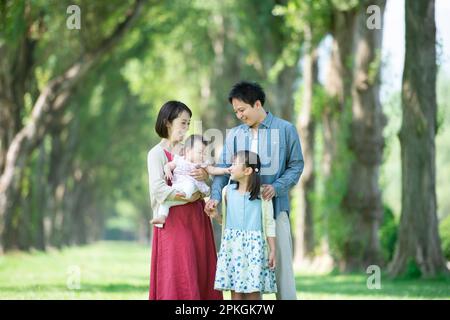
295, 163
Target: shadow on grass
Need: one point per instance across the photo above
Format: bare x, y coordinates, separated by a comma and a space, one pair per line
355, 285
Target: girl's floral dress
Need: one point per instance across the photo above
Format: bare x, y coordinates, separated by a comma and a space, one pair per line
242, 264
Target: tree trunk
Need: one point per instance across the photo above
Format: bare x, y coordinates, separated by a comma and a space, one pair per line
338, 84
40, 192
304, 235
418, 241
362, 204
53, 99
283, 105
335, 122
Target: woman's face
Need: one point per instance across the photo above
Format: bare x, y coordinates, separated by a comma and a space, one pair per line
179, 126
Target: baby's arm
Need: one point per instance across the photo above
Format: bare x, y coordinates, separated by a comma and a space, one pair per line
217, 171
168, 168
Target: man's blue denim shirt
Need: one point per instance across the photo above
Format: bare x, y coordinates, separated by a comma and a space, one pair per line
280, 153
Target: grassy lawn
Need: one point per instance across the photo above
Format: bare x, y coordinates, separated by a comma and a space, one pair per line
120, 270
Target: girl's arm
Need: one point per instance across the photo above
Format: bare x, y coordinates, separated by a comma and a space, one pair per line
217, 171
270, 227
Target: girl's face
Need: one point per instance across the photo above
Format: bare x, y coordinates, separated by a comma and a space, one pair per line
179, 126
239, 171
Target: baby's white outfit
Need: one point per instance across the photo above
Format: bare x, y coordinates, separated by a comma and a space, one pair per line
182, 181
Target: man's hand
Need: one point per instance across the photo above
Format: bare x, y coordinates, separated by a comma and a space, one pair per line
211, 206
268, 192
199, 174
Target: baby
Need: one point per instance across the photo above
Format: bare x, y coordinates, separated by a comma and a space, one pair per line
178, 171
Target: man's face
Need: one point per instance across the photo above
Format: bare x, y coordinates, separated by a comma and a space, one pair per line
245, 112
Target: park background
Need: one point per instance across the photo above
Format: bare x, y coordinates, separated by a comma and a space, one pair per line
77, 114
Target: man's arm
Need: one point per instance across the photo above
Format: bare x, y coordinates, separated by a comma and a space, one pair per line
294, 166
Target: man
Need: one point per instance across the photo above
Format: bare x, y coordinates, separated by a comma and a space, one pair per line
278, 145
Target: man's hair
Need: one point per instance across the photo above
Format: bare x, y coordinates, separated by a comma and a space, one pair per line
192, 139
248, 92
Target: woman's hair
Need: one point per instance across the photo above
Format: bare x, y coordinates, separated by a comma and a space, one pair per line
168, 112
251, 160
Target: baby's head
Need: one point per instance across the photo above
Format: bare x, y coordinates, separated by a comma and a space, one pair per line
194, 148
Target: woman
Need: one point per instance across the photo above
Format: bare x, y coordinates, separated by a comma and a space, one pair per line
183, 260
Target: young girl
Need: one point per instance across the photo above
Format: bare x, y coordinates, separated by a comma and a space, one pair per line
246, 260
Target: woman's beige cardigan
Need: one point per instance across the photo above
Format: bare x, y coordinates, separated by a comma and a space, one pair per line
159, 190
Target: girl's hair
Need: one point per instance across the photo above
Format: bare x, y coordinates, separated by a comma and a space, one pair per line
251, 160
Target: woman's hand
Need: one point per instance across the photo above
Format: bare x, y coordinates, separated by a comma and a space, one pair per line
199, 174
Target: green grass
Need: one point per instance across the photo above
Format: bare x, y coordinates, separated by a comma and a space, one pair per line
120, 270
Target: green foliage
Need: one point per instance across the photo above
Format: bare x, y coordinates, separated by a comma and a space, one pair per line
444, 232
388, 234
412, 270
339, 223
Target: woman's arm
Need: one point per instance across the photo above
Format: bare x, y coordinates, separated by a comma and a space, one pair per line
159, 190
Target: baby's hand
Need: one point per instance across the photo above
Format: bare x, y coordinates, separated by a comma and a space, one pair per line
168, 173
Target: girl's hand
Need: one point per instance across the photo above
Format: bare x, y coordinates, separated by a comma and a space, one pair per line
272, 260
